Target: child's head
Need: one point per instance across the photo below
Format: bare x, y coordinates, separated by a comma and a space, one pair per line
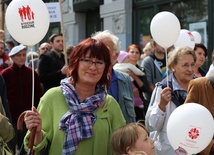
132, 139
123, 57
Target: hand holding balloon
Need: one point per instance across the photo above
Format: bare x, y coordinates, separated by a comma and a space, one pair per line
165, 97
27, 22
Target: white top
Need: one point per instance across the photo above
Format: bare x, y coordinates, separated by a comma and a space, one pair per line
210, 71
124, 67
156, 120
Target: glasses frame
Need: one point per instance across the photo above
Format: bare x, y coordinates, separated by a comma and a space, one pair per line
186, 65
45, 48
89, 63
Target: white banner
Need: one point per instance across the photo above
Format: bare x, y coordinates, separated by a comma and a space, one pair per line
54, 12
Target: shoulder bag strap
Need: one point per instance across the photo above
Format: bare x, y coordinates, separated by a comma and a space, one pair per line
2, 111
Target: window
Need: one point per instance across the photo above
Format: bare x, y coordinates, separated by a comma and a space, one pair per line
187, 11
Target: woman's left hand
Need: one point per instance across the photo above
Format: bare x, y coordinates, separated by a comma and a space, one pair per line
32, 119
165, 97
132, 74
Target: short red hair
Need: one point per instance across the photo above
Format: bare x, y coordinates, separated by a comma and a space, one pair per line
97, 50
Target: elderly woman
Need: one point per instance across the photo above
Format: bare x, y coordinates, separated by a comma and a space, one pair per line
168, 95
78, 117
201, 53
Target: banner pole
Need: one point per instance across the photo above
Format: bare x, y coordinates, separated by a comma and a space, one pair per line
63, 34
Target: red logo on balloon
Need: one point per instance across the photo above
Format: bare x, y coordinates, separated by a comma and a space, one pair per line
193, 133
27, 17
191, 36
26, 13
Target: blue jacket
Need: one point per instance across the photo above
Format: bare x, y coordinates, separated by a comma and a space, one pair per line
125, 95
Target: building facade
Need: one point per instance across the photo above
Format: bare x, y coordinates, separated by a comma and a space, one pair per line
130, 19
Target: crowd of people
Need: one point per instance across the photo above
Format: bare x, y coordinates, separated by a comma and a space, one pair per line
104, 101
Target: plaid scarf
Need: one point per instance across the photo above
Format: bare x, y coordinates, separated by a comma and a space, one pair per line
79, 120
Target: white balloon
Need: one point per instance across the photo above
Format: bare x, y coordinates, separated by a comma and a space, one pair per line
197, 37
165, 28
185, 39
190, 127
27, 21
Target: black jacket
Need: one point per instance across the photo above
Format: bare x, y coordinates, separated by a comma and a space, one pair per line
49, 69
3, 94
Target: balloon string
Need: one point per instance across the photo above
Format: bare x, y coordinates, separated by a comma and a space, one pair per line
32, 77
167, 75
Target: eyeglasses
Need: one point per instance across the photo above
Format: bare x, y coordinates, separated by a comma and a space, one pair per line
45, 48
89, 63
186, 65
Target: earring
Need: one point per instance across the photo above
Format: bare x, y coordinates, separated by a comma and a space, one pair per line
173, 70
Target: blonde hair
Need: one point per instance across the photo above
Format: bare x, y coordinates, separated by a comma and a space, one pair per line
125, 137
177, 52
148, 47
1, 31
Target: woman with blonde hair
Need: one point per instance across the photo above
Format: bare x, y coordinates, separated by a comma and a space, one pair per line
169, 94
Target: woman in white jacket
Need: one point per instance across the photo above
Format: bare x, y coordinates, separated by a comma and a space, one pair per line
169, 94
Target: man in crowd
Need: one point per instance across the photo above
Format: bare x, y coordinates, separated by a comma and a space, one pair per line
19, 80
4, 58
120, 85
43, 48
155, 68
52, 66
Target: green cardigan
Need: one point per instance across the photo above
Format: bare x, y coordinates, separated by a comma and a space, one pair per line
6, 128
53, 106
